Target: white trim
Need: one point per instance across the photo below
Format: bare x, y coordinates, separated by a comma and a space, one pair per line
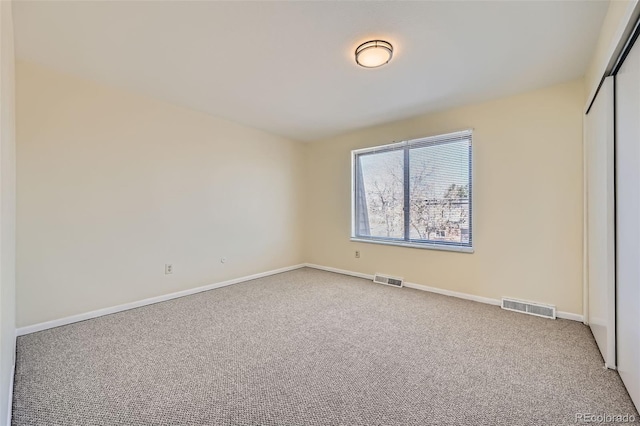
10, 394
459, 295
131, 305
451, 293
570, 316
585, 227
426, 246
340, 271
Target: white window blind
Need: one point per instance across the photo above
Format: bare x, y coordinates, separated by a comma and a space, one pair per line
415, 193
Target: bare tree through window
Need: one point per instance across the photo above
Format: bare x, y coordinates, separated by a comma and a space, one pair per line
437, 192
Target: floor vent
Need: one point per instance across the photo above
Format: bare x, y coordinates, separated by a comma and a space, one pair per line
537, 309
387, 280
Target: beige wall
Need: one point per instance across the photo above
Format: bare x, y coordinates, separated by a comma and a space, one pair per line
527, 201
113, 185
7, 207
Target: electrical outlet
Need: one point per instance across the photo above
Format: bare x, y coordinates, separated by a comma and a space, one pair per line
168, 268
357, 254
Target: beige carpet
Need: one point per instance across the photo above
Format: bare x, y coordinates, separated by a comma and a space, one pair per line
314, 348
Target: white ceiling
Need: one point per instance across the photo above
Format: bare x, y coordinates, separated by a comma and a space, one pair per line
288, 67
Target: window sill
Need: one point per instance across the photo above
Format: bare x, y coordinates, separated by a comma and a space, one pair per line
415, 245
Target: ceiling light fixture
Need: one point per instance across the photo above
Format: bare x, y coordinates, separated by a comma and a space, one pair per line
374, 53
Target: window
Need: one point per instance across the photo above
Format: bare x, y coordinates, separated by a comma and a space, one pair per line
415, 193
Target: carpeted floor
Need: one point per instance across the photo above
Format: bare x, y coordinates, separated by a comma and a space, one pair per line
309, 347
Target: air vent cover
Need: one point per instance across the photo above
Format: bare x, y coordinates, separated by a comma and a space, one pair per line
388, 280
537, 309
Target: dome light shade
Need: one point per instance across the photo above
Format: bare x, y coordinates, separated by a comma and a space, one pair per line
374, 53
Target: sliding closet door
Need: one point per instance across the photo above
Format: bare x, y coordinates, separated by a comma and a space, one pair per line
627, 124
600, 221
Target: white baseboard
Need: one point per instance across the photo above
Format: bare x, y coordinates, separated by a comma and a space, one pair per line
466, 296
339, 271
570, 316
10, 394
131, 305
451, 293
112, 310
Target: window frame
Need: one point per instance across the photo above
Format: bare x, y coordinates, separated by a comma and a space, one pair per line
406, 146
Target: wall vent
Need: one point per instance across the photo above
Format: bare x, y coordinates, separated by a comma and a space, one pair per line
537, 309
388, 280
